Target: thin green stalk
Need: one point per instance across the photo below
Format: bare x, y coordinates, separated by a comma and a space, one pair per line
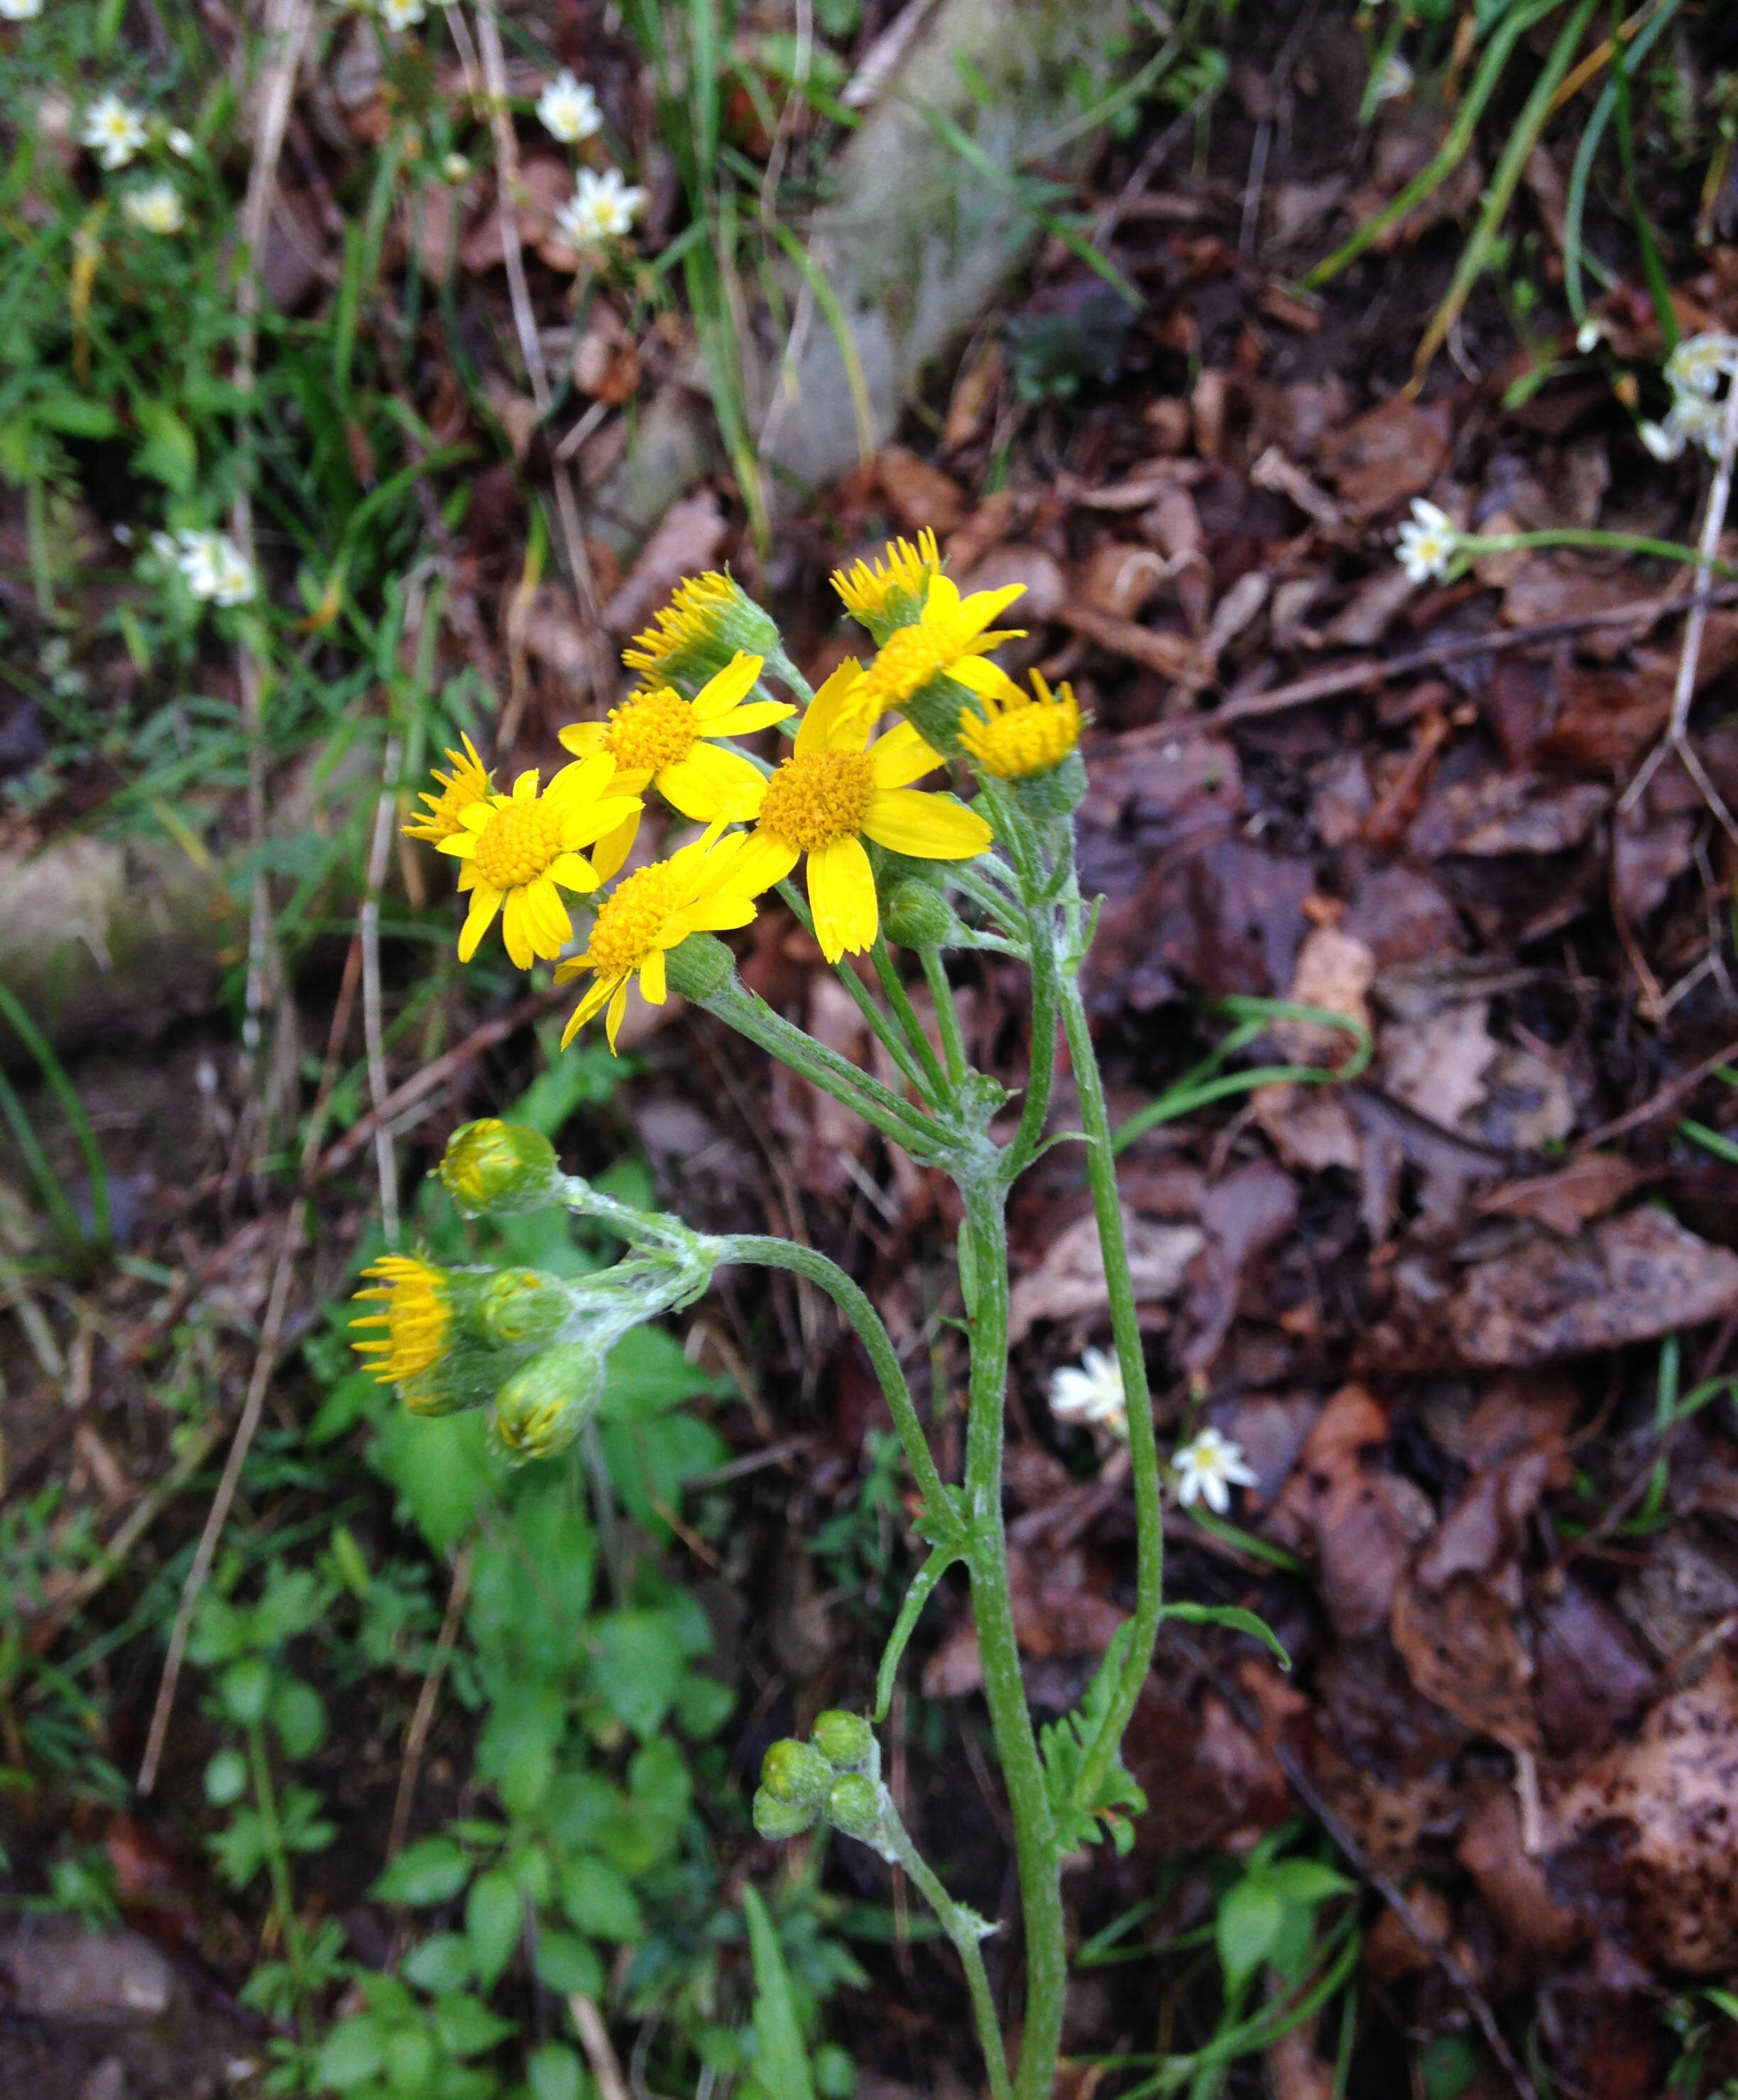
946, 1013
883, 1030
866, 1322
1627, 543
900, 1001
966, 1932
985, 1235
1143, 1448
277, 1862
1041, 1073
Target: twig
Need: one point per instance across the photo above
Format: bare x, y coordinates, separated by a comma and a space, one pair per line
1677, 736
1660, 1103
600, 2051
367, 934
531, 348
416, 1736
1353, 677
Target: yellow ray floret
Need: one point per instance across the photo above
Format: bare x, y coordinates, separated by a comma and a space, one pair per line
688, 622
1018, 735
868, 589
658, 738
698, 890
835, 790
467, 782
417, 1318
522, 849
952, 635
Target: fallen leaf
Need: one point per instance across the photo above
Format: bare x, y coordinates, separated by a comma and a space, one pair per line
1173, 656
1242, 1216
544, 185
686, 541
1070, 1282
1436, 1065
1040, 574
1118, 579
1596, 1183
1505, 813
1394, 451
922, 495
1461, 1647
1540, 1931
1592, 1676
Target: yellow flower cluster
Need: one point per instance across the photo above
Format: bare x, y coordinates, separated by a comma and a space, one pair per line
840, 789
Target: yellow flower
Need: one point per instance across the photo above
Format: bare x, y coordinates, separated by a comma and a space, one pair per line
658, 738
710, 619
836, 789
522, 849
466, 783
417, 1318
877, 597
698, 890
948, 637
1021, 735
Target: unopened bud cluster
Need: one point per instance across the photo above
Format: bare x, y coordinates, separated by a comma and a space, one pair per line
835, 1775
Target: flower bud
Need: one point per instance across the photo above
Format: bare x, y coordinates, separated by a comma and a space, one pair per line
854, 1806
497, 1166
542, 1406
519, 1306
846, 1741
775, 1819
794, 1771
917, 915
710, 621
700, 967
1058, 793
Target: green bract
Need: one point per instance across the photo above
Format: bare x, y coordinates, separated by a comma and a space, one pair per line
501, 1167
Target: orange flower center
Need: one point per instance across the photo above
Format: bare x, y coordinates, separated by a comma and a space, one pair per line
818, 797
518, 844
631, 921
651, 731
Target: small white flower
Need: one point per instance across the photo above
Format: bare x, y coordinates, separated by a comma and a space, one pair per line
1396, 79
601, 207
112, 131
1699, 363
1664, 440
1209, 1466
1589, 335
156, 207
211, 565
399, 14
123, 534
1428, 542
19, 10
1091, 1392
568, 109
178, 142
455, 168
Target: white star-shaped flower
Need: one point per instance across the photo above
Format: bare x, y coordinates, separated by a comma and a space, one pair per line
1091, 1392
568, 109
1208, 1467
113, 131
178, 142
19, 10
156, 207
211, 565
1699, 363
602, 206
1428, 542
400, 14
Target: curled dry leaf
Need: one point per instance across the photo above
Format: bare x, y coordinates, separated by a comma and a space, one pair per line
1436, 1065
1565, 1201
685, 542
1541, 1932
1395, 451
1070, 1282
922, 494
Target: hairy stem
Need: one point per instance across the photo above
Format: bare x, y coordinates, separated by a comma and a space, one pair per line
984, 1242
946, 1013
899, 1000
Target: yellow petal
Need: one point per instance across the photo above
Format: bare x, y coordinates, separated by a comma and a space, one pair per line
977, 674
901, 757
710, 785
484, 903
832, 712
612, 1020
927, 826
614, 847
755, 714
514, 932
982, 607
582, 738
461, 845
763, 862
720, 910
546, 917
525, 787
572, 873
597, 992
583, 823
841, 894
582, 781
721, 692
653, 984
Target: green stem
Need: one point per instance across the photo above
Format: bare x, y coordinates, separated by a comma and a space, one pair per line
966, 1931
277, 1861
1143, 1448
985, 1234
1627, 543
1041, 1068
937, 1087
878, 1023
946, 1014
806, 1261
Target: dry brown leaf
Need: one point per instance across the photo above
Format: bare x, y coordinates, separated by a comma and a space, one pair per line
1335, 972
1070, 1282
1242, 1216
1436, 1065
1173, 656
1592, 1675
1538, 1929
922, 494
686, 542
544, 185
1045, 585
1118, 579
1394, 451
1463, 1649
1505, 813
1566, 1201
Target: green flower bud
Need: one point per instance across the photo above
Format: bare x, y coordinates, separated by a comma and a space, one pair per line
700, 967
544, 1405
854, 1806
502, 1167
1056, 794
710, 619
795, 1772
846, 1741
917, 915
775, 1819
933, 710
520, 1306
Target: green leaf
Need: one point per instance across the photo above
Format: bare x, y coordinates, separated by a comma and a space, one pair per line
552, 2072
599, 1901
226, 1778
1307, 1883
1064, 1744
169, 453
242, 1850
1251, 1914
244, 1687
410, 2061
441, 1963
429, 1872
466, 2025
73, 416
491, 1923
1229, 1615
299, 1717
648, 1373
350, 2054
440, 1467
781, 2066
637, 1663
566, 1963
